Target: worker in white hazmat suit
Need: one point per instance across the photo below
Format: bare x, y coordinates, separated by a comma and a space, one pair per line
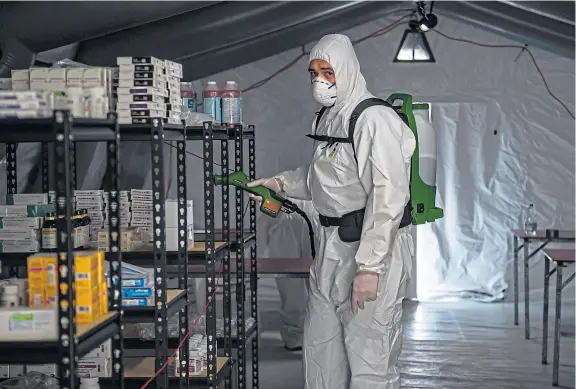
360, 188
287, 236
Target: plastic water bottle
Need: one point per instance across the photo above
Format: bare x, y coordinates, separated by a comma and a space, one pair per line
188, 95
212, 101
231, 104
530, 224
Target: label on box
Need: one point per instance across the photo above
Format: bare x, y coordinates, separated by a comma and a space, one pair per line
141, 60
125, 76
137, 292
134, 282
21, 222
140, 105
141, 98
140, 302
142, 82
150, 113
143, 91
30, 321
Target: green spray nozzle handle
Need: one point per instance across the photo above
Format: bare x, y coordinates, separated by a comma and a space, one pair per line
271, 202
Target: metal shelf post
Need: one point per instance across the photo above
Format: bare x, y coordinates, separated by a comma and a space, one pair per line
227, 306
159, 252
63, 146
12, 183
253, 262
182, 197
240, 286
209, 219
45, 164
115, 254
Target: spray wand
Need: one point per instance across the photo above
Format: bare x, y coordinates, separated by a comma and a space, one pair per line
272, 204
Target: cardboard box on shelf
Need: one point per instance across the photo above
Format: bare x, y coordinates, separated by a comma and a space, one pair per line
28, 324
48, 369
16, 370
93, 367
102, 351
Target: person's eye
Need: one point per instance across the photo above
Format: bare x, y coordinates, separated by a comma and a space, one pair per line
328, 74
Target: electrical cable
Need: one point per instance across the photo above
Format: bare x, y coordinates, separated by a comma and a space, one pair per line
523, 48
170, 358
393, 26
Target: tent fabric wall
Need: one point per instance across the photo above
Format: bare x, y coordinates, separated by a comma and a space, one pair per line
484, 179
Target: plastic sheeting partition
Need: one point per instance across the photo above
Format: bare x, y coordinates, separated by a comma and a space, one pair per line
484, 179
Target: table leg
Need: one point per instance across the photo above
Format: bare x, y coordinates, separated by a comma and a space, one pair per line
556, 362
516, 321
526, 289
545, 312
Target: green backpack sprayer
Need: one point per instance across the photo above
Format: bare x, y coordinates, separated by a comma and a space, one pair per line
421, 206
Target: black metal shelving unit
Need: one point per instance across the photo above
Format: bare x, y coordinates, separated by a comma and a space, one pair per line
219, 369
63, 132
167, 302
240, 239
72, 341
219, 244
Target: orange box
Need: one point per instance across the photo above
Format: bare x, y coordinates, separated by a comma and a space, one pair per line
87, 305
103, 297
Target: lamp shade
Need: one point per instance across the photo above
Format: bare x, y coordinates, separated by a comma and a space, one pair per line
414, 46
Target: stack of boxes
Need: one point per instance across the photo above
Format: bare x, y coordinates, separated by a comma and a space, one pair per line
141, 212
21, 222
24, 105
90, 284
86, 92
146, 88
94, 364
137, 286
197, 362
93, 201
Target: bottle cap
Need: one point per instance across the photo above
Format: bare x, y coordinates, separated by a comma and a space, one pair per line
10, 289
89, 380
230, 82
211, 83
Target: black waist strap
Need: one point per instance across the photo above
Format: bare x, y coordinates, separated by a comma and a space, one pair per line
356, 218
348, 220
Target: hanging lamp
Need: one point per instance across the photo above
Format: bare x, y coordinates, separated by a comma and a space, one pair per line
414, 47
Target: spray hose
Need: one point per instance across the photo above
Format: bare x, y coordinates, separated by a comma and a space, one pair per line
289, 207
310, 230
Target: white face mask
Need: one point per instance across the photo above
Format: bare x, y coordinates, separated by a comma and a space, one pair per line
324, 92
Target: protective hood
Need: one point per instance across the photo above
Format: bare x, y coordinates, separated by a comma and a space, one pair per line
337, 50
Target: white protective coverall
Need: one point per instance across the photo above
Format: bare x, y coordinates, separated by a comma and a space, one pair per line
286, 236
343, 350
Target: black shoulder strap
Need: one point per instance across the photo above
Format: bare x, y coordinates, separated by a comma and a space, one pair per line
356, 114
318, 117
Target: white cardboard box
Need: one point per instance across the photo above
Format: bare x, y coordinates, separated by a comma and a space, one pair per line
93, 367
102, 351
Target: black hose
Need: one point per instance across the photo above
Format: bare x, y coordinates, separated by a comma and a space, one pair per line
310, 230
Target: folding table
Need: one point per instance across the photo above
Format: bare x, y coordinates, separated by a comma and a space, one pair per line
562, 258
544, 237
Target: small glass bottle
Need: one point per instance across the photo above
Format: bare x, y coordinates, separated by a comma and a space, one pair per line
49, 232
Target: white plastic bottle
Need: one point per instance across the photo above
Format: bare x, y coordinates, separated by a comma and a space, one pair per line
426, 144
10, 296
231, 103
89, 383
75, 101
530, 224
212, 101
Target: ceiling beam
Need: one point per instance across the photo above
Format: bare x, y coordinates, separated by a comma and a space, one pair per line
45, 25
